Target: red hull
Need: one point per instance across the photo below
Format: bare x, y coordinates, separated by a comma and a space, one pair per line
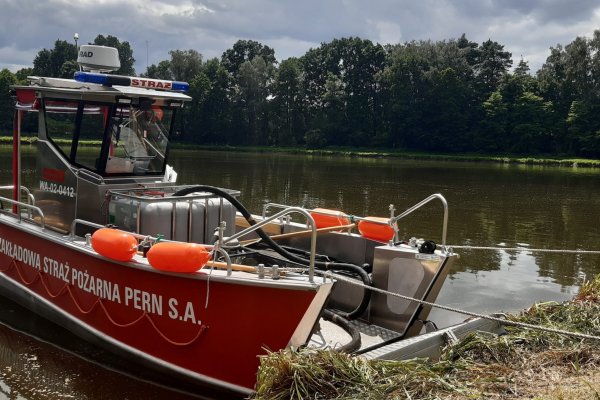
160, 315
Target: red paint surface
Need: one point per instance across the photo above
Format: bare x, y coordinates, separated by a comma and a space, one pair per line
239, 323
54, 175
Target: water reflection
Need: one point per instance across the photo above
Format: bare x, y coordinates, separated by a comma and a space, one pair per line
33, 369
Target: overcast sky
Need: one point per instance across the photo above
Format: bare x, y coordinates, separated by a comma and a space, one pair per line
527, 28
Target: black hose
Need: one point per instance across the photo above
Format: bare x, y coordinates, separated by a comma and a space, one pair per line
354, 343
329, 266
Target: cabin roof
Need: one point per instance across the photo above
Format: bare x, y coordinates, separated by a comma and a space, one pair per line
83, 89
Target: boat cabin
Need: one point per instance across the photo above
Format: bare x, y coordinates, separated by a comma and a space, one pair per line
128, 120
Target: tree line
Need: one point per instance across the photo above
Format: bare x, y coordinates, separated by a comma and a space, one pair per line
445, 96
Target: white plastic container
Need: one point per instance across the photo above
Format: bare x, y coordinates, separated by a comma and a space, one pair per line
171, 217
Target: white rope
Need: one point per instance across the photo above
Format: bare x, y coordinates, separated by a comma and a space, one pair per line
563, 251
457, 310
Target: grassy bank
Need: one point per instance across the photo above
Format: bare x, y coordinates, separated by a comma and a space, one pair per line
6, 140
370, 153
522, 364
383, 153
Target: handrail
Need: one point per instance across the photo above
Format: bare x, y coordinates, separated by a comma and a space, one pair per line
127, 193
25, 189
30, 198
77, 221
276, 205
289, 210
421, 204
97, 177
29, 207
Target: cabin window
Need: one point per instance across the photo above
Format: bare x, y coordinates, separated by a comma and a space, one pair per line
139, 139
91, 132
60, 124
76, 129
124, 139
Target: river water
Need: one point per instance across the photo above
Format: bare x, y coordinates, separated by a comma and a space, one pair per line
493, 205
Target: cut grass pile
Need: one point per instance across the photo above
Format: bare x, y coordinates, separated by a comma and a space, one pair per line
524, 363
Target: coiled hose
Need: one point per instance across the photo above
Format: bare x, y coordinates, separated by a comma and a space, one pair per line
329, 266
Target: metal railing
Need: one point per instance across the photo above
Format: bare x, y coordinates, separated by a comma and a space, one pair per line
87, 174
30, 208
420, 204
392, 221
28, 195
78, 221
30, 198
287, 211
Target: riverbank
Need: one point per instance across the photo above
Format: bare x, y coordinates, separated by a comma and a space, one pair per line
522, 364
381, 153
370, 153
7, 140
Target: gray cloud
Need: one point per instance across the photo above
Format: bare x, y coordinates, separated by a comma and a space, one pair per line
525, 27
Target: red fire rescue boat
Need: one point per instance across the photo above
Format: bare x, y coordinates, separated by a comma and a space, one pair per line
182, 278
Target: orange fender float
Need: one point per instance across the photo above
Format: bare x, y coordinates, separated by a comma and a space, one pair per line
376, 228
325, 218
178, 256
114, 244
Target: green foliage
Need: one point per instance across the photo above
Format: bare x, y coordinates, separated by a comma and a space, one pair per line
6, 103
445, 96
61, 61
160, 71
125, 53
451, 96
287, 105
315, 139
55, 62
184, 64
22, 75
246, 50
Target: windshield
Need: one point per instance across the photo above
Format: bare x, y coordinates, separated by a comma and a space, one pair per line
139, 140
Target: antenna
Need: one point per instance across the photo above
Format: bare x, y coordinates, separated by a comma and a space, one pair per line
76, 38
146, 56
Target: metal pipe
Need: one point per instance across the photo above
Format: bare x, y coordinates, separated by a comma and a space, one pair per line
421, 204
17, 161
30, 198
28, 206
77, 221
289, 210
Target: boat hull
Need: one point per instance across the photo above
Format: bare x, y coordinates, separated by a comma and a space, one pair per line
200, 328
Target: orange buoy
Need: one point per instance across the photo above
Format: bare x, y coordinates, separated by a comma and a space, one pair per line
178, 256
376, 228
325, 218
114, 244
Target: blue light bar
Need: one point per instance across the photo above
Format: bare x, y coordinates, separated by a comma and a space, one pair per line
181, 86
109, 80
90, 77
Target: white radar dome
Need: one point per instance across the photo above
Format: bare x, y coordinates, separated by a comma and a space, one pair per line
98, 58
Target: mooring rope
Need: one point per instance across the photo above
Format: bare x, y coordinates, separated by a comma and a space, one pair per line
563, 251
458, 310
